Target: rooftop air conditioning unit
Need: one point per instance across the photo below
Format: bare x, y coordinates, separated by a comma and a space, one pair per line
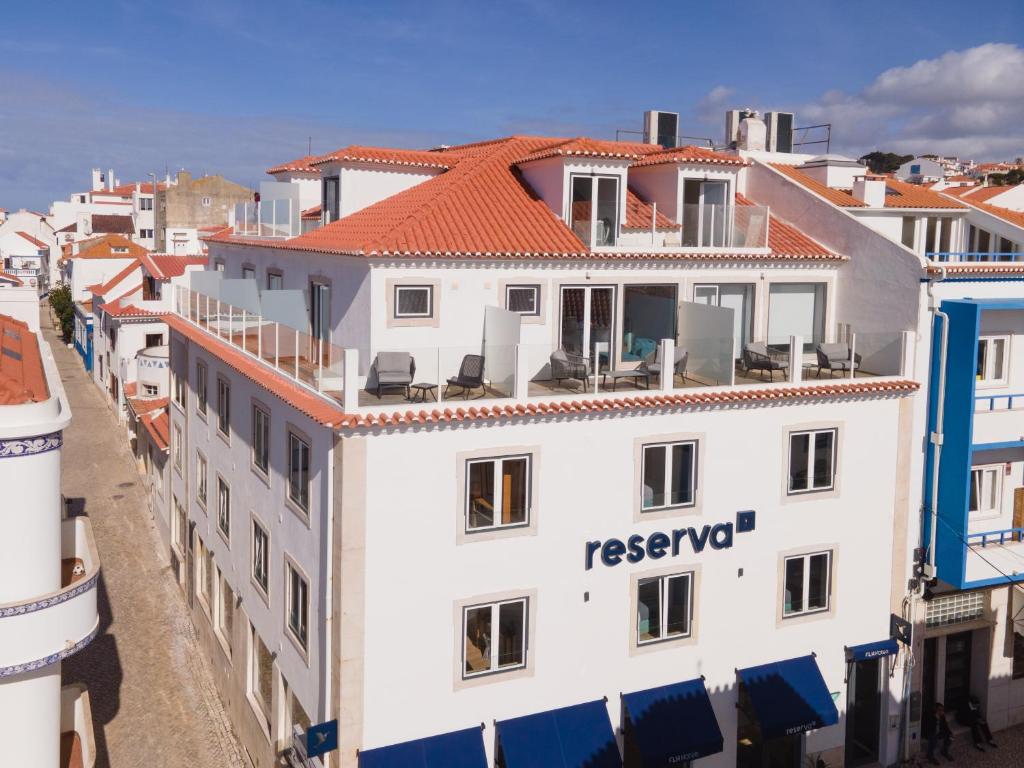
780, 131
661, 128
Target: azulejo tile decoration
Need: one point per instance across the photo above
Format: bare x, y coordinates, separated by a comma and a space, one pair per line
29, 446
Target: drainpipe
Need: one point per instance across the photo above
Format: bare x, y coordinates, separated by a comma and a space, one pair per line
936, 436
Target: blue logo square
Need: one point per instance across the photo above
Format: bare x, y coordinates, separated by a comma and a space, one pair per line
745, 521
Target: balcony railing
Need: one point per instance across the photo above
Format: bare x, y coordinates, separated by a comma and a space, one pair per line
1005, 536
279, 218
972, 256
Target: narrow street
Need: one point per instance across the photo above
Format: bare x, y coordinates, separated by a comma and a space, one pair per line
153, 700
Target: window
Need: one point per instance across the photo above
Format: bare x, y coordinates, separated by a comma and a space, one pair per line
494, 637
225, 610
523, 299
669, 475
248, 273
275, 281
808, 584
298, 605
260, 439
260, 556
180, 532
154, 340
224, 508
594, 209
812, 460
179, 390
201, 387
201, 479
664, 608
796, 309
497, 492
146, 234
298, 471
992, 359
986, 491
207, 583
331, 197
261, 676
206, 202
414, 301
150, 390
177, 448
223, 407
145, 203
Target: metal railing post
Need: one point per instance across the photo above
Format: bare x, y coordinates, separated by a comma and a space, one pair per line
320, 358
277, 346
296, 354
259, 336
853, 355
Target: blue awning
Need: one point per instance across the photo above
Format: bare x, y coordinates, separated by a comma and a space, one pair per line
672, 723
789, 697
572, 737
459, 749
867, 651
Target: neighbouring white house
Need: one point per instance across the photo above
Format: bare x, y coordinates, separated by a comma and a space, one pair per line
28, 235
49, 565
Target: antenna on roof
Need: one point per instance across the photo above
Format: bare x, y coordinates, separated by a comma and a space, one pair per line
309, 146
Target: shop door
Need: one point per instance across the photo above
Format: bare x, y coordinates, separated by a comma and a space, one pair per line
754, 751
863, 712
958, 673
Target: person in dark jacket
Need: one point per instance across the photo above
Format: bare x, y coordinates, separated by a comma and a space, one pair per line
939, 732
979, 725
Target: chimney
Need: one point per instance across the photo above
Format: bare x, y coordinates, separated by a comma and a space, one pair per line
753, 134
870, 190
110, 180
97, 180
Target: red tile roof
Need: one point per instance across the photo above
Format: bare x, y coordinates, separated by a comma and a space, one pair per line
13, 279
1011, 217
102, 248
286, 389
689, 155
113, 224
694, 397
301, 165
385, 156
159, 428
37, 243
584, 147
109, 285
980, 194
785, 239
22, 378
130, 388
72, 227
141, 406
312, 214
639, 211
898, 194
118, 308
164, 266
127, 190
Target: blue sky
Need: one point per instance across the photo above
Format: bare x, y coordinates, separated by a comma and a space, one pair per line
232, 87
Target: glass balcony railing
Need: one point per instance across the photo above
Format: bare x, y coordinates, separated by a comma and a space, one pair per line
268, 219
724, 226
955, 257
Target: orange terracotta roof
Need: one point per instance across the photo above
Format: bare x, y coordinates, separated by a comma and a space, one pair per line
384, 156
785, 239
141, 406
689, 155
213, 228
72, 227
159, 428
317, 408
101, 288
164, 266
694, 397
312, 214
22, 378
130, 388
37, 243
302, 165
113, 224
898, 194
102, 248
982, 194
1011, 217
122, 309
127, 190
638, 214
584, 147
13, 279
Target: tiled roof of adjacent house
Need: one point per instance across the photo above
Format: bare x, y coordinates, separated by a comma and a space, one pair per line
385, 156
977, 194
786, 240
689, 155
159, 428
120, 309
639, 211
107, 223
584, 147
312, 214
72, 227
99, 289
9, 278
141, 406
22, 378
301, 165
35, 241
164, 266
102, 248
898, 194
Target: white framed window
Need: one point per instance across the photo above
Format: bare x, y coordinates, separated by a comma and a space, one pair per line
664, 608
177, 448
275, 281
248, 273
992, 364
260, 556
523, 299
201, 377
224, 508
498, 492
808, 584
260, 439
225, 611
298, 471
207, 202
297, 607
179, 533
223, 407
414, 301
986, 491
146, 204
150, 390
594, 209
261, 677
201, 479
494, 637
179, 390
669, 475
812, 460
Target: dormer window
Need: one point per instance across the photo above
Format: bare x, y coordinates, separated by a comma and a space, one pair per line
706, 214
594, 210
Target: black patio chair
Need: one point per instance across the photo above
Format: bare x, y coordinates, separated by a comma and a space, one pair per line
471, 376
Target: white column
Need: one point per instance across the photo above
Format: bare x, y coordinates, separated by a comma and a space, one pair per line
350, 385
666, 381
796, 359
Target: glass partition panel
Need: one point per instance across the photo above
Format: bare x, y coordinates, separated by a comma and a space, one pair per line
581, 206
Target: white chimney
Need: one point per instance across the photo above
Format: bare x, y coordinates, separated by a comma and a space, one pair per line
110, 180
753, 134
97, 179
870, 190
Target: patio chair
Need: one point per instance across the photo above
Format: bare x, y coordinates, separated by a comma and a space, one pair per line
836, 357
565, 365
757, 358
393, 369
652, 363
471, 376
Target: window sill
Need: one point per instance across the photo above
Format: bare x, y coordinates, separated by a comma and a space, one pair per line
262, 719
303, 652
493, 533
298, 511
259, 590
226, 538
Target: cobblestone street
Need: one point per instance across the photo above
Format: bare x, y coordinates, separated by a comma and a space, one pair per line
153, 700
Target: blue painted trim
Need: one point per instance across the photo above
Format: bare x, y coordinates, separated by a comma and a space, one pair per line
53, 658
997, 446
20, 609
998, 581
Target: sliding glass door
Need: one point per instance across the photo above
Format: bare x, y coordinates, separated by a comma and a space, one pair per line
706, 213
796, 309
587, 319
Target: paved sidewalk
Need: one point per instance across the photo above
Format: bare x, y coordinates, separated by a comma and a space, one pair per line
1009, 753
153, 699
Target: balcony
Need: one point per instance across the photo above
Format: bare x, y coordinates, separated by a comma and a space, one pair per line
48, 628
77, 743
961, 257
997, 419
271, 219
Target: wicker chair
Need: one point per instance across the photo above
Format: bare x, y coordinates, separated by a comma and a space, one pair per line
565, 365
757, 358
471, 376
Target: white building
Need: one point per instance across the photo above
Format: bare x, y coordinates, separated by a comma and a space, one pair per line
567, 523
49, 567
28, 248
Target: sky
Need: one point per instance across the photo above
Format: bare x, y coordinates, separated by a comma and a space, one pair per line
235, 86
